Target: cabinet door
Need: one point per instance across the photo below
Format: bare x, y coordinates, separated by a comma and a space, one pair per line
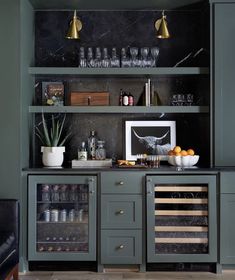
227, 229
181, 219
62, 218
224, 83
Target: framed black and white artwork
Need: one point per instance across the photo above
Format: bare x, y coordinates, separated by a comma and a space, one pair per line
149, 137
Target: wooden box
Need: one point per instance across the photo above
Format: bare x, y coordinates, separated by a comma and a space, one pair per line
89, 98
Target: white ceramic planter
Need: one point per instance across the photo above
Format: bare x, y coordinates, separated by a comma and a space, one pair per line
52, 156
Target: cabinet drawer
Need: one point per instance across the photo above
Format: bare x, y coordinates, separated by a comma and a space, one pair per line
227, 182
121, 211
121, 182
121, 246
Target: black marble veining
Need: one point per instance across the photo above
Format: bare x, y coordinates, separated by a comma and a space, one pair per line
189, 32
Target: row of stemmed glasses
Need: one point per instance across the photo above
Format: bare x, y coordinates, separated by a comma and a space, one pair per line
143, 57
98, 58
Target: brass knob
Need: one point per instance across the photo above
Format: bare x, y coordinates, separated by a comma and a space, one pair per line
121, 183
121, 212
121, 246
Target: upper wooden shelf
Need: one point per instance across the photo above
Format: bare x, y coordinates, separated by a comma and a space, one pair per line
119, 109
118, 71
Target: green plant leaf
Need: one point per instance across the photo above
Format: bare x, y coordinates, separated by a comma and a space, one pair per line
45, 130
60, 129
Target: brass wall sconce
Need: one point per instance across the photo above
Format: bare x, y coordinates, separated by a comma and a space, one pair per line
161, 27
74, 28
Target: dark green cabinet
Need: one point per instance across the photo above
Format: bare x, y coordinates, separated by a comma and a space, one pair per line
224, 83
62, 218
181, 218
227, 219
121, 217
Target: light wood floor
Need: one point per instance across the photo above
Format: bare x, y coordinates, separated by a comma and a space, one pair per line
227, 275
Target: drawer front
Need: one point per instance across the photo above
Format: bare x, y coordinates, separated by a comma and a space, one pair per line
227, 182
121, 211
122, 182
121, 247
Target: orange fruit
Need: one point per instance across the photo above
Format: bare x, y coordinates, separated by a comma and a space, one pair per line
177, 149
171, 153
190, 152
183, 153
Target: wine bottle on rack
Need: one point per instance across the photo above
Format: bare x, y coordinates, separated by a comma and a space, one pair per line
41, 249
50, 249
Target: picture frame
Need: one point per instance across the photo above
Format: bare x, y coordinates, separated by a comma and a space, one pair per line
149, 137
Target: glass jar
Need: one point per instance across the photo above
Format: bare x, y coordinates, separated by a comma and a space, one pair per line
100, 151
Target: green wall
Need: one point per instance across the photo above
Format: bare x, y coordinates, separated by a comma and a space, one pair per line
10, 99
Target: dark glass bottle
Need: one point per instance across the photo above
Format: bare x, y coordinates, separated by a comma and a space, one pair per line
121, 98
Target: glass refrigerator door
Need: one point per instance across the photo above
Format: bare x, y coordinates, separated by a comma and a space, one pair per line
62, 218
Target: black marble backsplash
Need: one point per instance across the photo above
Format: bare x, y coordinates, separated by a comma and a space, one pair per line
189, 32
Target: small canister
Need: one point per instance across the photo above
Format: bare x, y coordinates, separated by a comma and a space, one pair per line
54, 215
71, 215
63, 215
46, 215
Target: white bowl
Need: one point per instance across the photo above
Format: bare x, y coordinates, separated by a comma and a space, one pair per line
183, 161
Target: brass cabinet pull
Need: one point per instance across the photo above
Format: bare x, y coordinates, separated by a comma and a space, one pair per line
121, 212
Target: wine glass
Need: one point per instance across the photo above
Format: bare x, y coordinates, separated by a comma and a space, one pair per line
98, 61
125, 61
82, 59
105, 60
154, 56
134, 53
144, 56
90, 59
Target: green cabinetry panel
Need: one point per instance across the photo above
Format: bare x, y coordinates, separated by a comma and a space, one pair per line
224, 83
121, 217
227, 229
227, 219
